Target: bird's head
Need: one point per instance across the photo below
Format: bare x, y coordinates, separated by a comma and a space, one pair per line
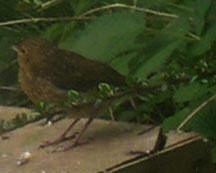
32, 49
26, 46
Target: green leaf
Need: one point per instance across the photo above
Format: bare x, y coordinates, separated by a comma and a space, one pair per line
190, 92
54, 31
173, 122
8, 65
7, 10
121, 63
213, 152
198, 19
154, 55
81, 5
206, 41
204, 121
107, 36
73, 94
157, 61
104, 87
6, 52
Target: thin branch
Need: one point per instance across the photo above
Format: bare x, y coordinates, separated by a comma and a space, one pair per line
195, 37
199, 108
111, 114
83, 16
42, 19
134, 7
50, 3
9, 88
118, 5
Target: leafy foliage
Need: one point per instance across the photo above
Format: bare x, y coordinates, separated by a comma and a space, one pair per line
171, 44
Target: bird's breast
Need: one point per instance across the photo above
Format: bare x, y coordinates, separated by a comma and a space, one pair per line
38, 89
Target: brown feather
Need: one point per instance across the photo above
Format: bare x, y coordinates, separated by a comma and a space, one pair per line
46, 72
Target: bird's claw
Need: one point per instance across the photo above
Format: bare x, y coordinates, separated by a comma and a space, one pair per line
57, 141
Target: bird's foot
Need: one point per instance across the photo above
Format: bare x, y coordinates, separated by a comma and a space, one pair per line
70, 146
58, 140
66, 147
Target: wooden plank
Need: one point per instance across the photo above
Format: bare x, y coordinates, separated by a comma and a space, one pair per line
109, 144
189, 154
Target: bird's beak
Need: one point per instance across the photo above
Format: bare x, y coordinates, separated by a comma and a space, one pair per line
14, 48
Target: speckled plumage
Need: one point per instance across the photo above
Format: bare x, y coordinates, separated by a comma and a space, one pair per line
47, 72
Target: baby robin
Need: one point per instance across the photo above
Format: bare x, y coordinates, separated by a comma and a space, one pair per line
46, 73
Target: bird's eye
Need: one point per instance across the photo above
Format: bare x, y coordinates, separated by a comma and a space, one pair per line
23, 51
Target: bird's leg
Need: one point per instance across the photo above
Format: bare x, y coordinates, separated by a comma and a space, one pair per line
132, 102
62, 137
76, 142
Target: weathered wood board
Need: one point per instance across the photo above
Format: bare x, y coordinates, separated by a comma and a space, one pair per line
109, 144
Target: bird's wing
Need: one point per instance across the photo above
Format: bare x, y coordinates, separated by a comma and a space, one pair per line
73, 71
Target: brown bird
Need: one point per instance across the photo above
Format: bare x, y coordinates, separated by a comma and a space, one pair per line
46, 73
